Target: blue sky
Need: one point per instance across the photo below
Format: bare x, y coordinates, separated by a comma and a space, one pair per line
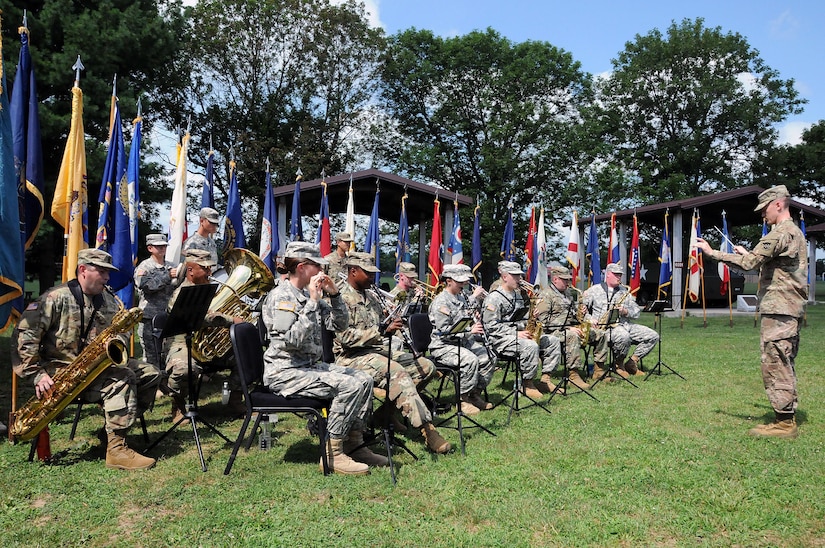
787, 34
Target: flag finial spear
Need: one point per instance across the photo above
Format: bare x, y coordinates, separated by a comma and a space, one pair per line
78, 66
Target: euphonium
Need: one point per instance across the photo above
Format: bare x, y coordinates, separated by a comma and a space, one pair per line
70, 380
248, 277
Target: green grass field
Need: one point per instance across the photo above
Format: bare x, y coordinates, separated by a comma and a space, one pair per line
667, 464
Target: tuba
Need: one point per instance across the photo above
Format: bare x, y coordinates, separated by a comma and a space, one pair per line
69, 381
248, 277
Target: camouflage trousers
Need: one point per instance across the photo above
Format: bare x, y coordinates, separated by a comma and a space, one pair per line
177, 370
349, 389
125, 392
625, 334
779, 343
573, 346
404, 380
473, 363
149, 343
529, 353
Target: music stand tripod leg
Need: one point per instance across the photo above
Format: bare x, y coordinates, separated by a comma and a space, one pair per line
659, 363
564, 383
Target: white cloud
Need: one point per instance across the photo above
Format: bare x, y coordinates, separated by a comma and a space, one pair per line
785, 26
791, 133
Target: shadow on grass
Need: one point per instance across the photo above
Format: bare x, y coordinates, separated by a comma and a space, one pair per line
766, 416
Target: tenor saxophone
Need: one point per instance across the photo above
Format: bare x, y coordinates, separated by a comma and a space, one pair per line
534, 326
69, 381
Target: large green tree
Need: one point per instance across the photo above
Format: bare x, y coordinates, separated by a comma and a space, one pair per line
800, 167
284, 80
690, 111
484, 116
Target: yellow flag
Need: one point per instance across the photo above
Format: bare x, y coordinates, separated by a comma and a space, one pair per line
70, 204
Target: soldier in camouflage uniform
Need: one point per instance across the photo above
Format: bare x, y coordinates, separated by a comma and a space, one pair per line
464, 351
155, 279
338, 258
294, 313
204, 237
505, 316
600, 300
53, 332
782, 259
362, 346
559, 316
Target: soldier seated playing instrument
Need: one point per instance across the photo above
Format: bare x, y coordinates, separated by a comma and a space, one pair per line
59, 325
612, 295
363, 346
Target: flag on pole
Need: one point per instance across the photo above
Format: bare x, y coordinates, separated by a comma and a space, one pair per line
572, 254
296, 229
635, 259
349, 223
71, 204
541, 249
476, 251
11, 251
113, 169
530, 248
323, 238
665, 264
614, 254
208, 195
177, 215
726, 247
454, 249
402, 247
805, 235
233, 234
373, 241
133, 182
508, 246
595, 261
270, 242
435, 264
694, 260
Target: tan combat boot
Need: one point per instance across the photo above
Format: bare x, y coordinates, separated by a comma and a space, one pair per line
340, 462
785, 429
178, 409
355, 448
530, 390
467, 406
433, 439
476, 399
119, 456
598, 371
545, 384
576, 380
632, 366
620, 369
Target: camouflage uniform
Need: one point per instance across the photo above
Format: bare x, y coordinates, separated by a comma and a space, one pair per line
782, 260
337, 264
196, 241
363, 347
624, 333
466, 349
49, 337
292, 363
155, 286
500, 307
557, 312
177, 362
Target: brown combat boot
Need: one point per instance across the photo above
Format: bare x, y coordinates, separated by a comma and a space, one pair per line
785, 429
576, 380
433, 439
530, 390
178, 409
355, 448
476, 399
119, 456
340, 462
632, 366
545, 384
467, 406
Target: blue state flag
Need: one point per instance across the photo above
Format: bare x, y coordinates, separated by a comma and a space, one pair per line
233, 235
402, 248
372, 245
454, 247
296, 230
118, 230
593, 253
665, 264
508, 250
133, 178
270, 241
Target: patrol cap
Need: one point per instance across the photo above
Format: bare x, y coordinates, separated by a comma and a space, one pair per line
305, 250
408, 269
95, 257
210, 215
510, 267
343, 237
156, 239
615, 268
773, 193
561, 272
457, 272
363, 260
200, 257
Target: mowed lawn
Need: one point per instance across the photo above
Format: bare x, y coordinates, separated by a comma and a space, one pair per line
666, 464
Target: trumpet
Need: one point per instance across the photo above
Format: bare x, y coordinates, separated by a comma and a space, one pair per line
473, 288
429, 291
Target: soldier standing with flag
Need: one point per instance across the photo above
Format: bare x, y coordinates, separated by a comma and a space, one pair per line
782, 259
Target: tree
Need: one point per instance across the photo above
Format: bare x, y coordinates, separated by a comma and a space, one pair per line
692, 111
799, 167
481, 115
284, 80
134, 40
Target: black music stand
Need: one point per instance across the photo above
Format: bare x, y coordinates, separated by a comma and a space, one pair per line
186, 317
609, 324
657, 307
454, 332
564, 383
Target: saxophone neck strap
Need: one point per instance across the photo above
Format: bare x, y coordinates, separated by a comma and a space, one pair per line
97, 302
